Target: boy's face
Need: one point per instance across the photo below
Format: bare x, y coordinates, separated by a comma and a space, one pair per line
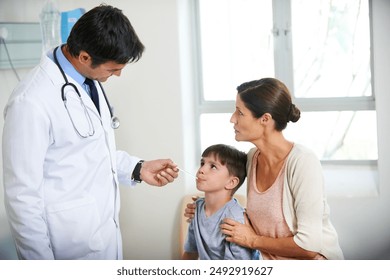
212, 175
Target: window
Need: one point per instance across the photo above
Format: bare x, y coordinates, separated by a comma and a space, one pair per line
319, 48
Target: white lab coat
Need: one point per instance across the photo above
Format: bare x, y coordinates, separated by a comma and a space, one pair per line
61, 190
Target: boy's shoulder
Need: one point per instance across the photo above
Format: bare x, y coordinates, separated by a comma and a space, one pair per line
234, 210
199, 201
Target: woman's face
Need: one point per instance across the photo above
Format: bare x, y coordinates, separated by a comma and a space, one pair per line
246, 127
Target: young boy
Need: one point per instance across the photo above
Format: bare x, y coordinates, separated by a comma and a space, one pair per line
222, 171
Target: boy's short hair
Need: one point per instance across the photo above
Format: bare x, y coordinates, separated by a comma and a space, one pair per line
232, 158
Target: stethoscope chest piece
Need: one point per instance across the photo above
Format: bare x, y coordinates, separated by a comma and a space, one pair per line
115, 123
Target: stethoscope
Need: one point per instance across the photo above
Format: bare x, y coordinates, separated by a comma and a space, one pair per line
115, 123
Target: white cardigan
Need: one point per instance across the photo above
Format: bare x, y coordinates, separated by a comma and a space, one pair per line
304, 203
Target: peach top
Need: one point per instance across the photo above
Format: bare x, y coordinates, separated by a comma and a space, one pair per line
265, 209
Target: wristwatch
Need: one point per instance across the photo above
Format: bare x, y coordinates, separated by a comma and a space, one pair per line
137, 172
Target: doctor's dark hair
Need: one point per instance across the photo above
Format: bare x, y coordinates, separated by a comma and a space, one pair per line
232, 158
269, 95
106, 34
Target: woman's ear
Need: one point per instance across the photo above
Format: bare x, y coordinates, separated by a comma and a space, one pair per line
265, 118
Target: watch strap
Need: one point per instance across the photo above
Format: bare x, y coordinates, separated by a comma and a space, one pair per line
137, 172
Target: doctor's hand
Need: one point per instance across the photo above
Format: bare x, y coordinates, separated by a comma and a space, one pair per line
159, 172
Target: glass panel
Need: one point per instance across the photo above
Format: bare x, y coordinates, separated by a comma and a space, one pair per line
236, 45
343, 135
217, 129
331, 48
331, 135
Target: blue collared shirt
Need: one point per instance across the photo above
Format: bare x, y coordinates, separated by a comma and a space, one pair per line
68, 68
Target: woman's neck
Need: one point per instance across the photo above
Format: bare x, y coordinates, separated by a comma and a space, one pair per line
274, 148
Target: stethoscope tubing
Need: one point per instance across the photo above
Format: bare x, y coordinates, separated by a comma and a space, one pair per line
115, 123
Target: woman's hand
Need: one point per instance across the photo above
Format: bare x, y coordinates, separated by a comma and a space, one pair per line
159, 172
245, 236
189, 212
241, 234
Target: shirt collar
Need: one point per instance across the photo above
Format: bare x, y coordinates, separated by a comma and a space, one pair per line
68, 67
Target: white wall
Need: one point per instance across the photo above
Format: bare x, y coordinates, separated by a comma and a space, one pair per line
148, 98
363, 223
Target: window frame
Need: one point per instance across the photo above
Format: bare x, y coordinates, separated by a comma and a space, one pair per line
282, 37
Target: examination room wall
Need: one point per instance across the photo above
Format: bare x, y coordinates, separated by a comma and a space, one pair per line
153, 100
147, 99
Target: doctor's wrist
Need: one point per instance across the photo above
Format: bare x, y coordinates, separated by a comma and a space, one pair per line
137, 172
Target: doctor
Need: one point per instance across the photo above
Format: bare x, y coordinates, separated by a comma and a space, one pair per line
61, 167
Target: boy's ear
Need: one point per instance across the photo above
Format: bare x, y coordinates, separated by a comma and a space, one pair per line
233, 182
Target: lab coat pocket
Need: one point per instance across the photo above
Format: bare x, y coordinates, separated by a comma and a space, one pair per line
74, 228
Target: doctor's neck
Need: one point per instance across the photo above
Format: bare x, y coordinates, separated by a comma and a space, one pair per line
80, 62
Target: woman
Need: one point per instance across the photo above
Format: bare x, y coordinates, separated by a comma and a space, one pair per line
286, 203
